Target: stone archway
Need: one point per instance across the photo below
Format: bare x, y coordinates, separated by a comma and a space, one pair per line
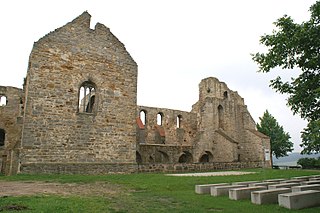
185, 157
206, 157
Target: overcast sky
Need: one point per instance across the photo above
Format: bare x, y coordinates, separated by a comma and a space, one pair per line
175, 43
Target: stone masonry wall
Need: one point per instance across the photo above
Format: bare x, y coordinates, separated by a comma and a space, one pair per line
10, 127
78, 114
55, 129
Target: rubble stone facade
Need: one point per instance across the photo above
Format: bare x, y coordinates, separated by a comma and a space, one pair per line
78, 113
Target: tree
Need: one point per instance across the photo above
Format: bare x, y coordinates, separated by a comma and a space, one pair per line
279, 139
292, 46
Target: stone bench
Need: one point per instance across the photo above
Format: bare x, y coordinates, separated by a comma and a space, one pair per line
223, 190
310, 182
205, 188
266, 184
303, 178
267, 196
314, 178
274, 180
305, 187
244, 193
291, 181
245, 183
300, 200
283, 185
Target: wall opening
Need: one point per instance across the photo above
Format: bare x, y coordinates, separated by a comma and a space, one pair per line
3, 100
159, 118
87, 97
221, 117
151, 160
162, 157
206, 158
225, 95
143, 116
2, 137
138, 158
186, 157
179, 121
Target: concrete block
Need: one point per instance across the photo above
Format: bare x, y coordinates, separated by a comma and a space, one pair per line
314, 178
223, 190
283, 185
267, 196
244, 193
205, 188
263, 184
275, 180
310, 182
291, 181
246, 183
305, 187
300, 200
303, 178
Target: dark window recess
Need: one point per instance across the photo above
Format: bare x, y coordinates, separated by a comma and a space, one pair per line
2, 137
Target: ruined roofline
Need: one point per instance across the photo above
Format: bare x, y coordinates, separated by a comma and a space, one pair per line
160, 108
259, 134
11, 87
83, 22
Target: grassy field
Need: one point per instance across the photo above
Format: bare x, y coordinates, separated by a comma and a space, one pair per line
143, 193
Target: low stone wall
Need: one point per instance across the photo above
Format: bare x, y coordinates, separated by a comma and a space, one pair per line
77, 168
100, 168
198, 167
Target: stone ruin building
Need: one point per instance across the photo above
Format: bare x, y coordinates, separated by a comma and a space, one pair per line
78, 113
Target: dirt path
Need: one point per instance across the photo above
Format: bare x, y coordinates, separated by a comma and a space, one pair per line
18, 188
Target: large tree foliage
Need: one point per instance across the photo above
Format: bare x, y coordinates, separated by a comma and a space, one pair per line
291, 46
279, 139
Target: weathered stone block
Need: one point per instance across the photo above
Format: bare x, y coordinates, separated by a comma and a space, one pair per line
267, 196
223, 190
205, 188
300, 200
244, 193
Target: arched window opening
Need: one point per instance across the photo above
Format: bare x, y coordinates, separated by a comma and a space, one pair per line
143, 117
186, 157
151, 160
3, 100
163, 157
206, 158
225, 95
179, 121
221, 117
87, 97
2, 137
138, 158
159, 118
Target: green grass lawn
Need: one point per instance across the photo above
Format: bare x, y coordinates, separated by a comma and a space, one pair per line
145, 193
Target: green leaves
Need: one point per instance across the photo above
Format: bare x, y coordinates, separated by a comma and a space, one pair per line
279, 139
290, 46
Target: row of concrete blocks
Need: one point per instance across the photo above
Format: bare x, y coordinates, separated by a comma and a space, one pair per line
295, 193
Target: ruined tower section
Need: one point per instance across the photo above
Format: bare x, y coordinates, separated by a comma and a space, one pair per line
80, 110
10, 128
226, 130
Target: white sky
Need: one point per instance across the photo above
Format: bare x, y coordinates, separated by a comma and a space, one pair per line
175, 43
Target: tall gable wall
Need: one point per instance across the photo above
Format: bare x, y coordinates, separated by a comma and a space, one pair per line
62, 125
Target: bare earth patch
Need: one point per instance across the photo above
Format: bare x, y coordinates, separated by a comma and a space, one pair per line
212, 174
8, 188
